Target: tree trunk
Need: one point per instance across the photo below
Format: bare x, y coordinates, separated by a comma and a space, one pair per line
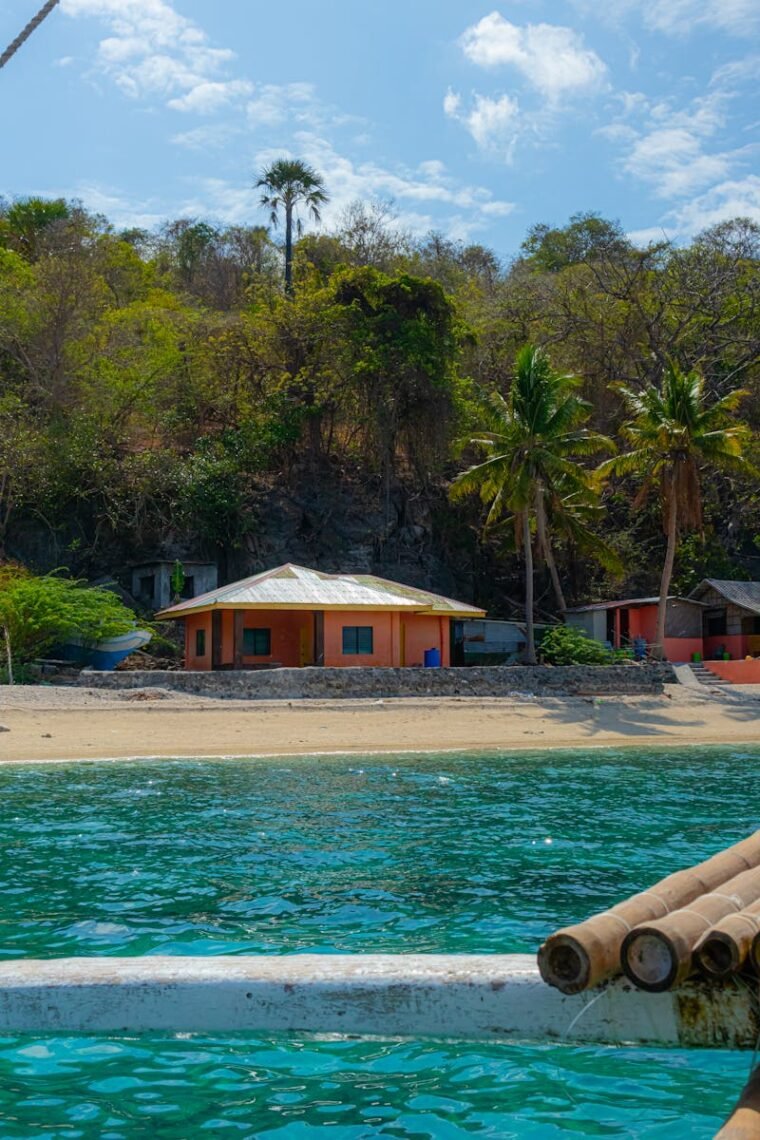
545, 547
530, 648
289, 249
667, 570
9, 659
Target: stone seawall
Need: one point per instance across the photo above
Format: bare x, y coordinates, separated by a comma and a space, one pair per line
321, 684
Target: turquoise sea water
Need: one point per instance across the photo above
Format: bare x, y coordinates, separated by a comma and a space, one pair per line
478, 853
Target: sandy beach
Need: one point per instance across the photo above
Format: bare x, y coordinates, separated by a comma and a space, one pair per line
67, 723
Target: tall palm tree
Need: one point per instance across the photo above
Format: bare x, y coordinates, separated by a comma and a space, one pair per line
531, 440
287, 184
673, 432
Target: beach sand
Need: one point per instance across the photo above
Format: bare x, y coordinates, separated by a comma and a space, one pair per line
65, 723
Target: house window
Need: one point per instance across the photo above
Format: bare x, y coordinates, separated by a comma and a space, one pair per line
188, 590
200, 643
715, 623
257, 642
147, 588
357, 639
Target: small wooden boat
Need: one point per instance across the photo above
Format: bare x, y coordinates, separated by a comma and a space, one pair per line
105, 655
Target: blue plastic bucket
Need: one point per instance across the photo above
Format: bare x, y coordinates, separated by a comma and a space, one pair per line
432, 658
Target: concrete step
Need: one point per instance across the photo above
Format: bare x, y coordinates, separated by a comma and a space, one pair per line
707, 677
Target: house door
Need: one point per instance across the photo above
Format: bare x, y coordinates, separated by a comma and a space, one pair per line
304, 647
216, 639
625, 628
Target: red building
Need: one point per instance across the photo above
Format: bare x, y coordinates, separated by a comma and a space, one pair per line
719, 620
294, 616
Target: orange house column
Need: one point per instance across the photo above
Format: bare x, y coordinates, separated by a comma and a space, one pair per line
395, 640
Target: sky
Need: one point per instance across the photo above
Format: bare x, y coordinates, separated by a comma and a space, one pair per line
473, 120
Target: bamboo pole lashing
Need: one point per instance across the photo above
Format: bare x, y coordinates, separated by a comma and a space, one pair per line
659, 955
586, 954
724, 949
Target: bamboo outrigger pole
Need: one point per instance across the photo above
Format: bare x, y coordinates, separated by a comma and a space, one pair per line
724, 949
659, 955
581, 956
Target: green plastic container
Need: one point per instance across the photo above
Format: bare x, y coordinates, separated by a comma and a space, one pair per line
696, 658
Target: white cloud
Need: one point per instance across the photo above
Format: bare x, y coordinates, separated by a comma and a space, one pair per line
550, 58
493, 123
153, 51
733, 198
678, 17
672, 161
425, 198
207, 97
673, 149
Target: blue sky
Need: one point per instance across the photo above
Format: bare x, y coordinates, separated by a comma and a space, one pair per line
474, 119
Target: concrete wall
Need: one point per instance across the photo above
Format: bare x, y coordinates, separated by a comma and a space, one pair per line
318, 684
737, 672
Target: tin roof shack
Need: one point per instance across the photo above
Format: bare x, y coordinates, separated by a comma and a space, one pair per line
151, 582
293, 616
731, 618
489, 642
619, 624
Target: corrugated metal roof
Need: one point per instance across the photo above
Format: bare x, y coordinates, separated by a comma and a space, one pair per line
743, 594
630, 603
298, 587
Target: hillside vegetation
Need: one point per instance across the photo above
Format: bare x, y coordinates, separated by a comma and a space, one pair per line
162, 394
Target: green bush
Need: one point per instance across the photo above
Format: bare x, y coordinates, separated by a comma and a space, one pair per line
565, 645
36, 613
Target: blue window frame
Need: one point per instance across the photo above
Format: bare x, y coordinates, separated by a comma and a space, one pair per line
257, 642
357, 639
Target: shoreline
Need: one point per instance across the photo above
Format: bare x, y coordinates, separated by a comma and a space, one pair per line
71, 724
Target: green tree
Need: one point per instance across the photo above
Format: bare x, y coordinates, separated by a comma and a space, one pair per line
287, 185
674, 431
38, 612
531, 441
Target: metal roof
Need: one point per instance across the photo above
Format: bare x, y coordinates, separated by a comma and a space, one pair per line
746, 595
299, 588
630, 603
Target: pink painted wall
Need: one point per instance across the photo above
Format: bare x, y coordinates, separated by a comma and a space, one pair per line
194, 622
425, 632
385, 647
737, 672
681, 648
735, 644
292, 632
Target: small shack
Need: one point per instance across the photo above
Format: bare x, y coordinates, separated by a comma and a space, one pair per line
294, 616
152, 582
619, 624
730, 617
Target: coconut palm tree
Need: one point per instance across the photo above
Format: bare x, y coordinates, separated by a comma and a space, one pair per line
674, 431
287, 184
531, 441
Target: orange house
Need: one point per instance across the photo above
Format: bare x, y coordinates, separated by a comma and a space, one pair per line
293, 616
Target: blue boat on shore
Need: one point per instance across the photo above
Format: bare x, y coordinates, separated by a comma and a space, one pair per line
106, 655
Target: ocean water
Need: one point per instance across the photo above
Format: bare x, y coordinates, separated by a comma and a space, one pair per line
407, 853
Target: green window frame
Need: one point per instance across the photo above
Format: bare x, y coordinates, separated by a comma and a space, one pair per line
358, 640
257, 642
200, 643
